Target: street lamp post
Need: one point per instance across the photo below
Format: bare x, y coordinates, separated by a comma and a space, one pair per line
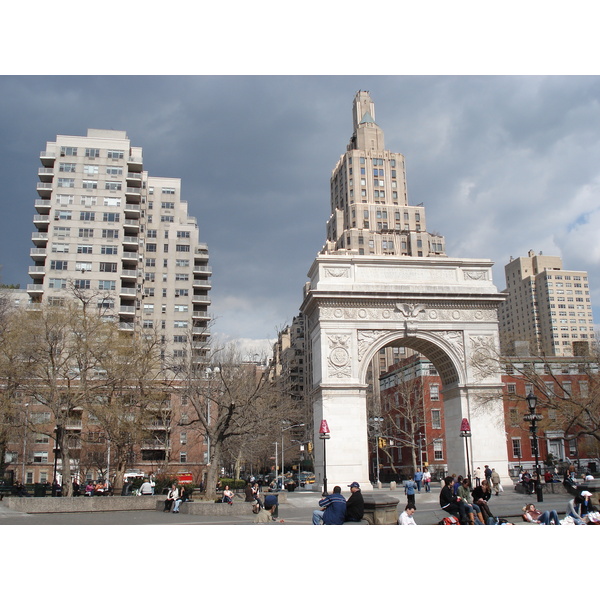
377, 421
533, 417
465, 432
324, 435
282, 449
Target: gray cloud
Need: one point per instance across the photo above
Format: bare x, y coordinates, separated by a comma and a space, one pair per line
502, 165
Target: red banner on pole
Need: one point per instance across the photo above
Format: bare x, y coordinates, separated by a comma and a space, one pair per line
464, 426
324, 427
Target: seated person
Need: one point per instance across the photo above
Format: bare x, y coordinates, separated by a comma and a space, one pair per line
227, 495
481, 496
333, 509
406, 518
455, 505
582, 507
533, 515
464, 492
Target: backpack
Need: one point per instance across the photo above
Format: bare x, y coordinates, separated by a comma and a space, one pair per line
449, 521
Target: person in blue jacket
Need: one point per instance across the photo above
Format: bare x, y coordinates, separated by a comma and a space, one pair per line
333, 509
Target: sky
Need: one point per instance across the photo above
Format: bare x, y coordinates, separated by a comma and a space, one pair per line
502, 164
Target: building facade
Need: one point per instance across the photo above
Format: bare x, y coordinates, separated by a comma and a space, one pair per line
547, 306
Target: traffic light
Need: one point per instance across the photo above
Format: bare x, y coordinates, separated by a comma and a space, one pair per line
310, 447
382, 442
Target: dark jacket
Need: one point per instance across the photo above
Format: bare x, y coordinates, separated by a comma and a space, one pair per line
334, 506
479, 494
448, 498
355, 507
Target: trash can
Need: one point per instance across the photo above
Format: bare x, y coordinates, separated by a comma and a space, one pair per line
39, 490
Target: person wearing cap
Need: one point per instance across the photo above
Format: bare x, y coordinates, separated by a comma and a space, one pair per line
333, 509
582, 507
355, 505
267, 515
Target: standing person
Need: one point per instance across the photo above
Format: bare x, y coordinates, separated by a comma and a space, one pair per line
495, 482
333, 509
488, 475
409, 489
426, 480
355, 505
477, 476
406, 518
418, 480
249, 492
172, 495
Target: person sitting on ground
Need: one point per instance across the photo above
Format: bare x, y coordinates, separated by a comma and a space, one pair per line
454, 505
227, 496
532, 515
464, 492
355, 505
333, 509
481, 496
268, 514
582, 507
406, 518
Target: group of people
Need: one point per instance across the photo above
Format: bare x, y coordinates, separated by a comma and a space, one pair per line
468, 504
175, 496
334, 509
97, 488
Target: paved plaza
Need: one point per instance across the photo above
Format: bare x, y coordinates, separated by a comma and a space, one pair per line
296, 511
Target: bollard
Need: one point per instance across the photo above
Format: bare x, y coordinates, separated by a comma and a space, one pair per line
392, 485
379, 485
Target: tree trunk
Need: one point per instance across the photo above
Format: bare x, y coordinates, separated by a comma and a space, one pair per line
212, 475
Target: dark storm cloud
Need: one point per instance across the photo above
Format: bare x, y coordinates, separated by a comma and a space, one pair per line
502, 165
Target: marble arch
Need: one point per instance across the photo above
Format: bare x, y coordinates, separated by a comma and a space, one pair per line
443, 307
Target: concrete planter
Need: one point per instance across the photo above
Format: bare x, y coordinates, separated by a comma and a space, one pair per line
79, 504
380, 509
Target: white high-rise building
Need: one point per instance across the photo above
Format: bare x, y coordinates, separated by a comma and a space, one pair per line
104, 225
370, 213
547, 306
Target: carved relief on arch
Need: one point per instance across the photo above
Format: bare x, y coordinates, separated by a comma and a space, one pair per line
455, 339
484, 355
339, 356
366, 338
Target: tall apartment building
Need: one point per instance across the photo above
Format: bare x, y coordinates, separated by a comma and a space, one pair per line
547, 306
103, 224
370, 213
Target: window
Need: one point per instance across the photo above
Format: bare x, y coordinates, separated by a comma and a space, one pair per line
114, 170
88, 201
181, 276
106, 284
180, 324
436, 419
438, 450
58, 265
168, 190
40, 457
111, 217
92, 152
60, 248
57, 284
108, 267
64, 199
110, 233
182, 292
167, 219
147, 324
86, 232
89, 184
109, 250
112, 185
87, 216
183, 234
83, 266
183, 457
169, 205
151, 262
511, 388
179, 339
68, 151
181, 308
516, 447
150, 247
151, 233
115, 154
66, 168
183, 438
182, 248
66, 182
90, 169
434, 392
82, 284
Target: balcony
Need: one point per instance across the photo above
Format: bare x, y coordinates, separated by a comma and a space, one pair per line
129, 274
126, 326
36, 271
201, 299
134, 179
132, 208
201, 284
127, 310
47, 158
41, 222
38, 252
135, 163
44, 189
42, 205
128, 292
35, 289
132, 193
132, 225
200, 314
39, 238
130, 241
46, 174
202, 270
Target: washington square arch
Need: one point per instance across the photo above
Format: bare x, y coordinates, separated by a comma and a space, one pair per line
382, 280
